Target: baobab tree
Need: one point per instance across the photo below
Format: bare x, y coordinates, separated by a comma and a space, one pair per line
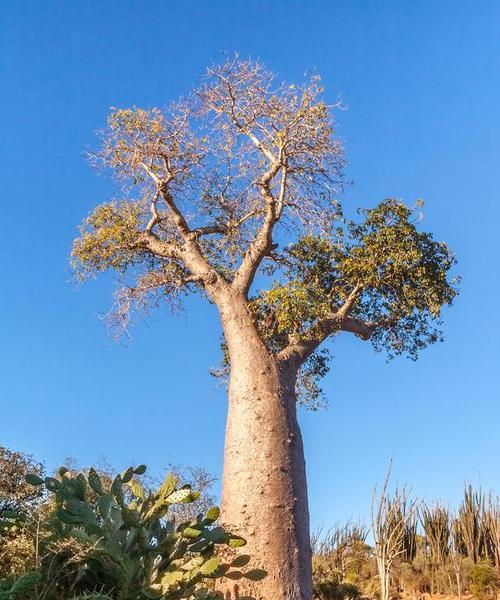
232, 193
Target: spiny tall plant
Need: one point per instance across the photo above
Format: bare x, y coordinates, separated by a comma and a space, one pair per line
436, 522
456, 557
339, 543
491, 529
393, 526
469, 524
410, 532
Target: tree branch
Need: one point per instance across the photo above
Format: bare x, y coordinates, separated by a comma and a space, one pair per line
299, 350
155, 217
351, 299
210, 229
162, 188
152, 242
245, 130
190, 253
262, 244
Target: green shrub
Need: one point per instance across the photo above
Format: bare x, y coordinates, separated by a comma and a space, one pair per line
17, 499
484, 580
332, 590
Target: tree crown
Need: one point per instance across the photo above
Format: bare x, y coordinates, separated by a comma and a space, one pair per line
239, 181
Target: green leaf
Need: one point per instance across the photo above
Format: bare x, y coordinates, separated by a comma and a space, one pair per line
130, 518
200, 546
192, 532
180, 496
25, 584
117, 490
137, 489
236, 541
104, 504
194, 563
33, 479
95, 481
52, 484
218, 535
210, 566
79, 486
152, 594
172, 577
140, 470
11, 514
81, 509
66, 517
127, 475
212, 515
94, 529
167, 487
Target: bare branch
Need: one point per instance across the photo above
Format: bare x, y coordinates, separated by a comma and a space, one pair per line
300, 349
153, 244
210, 230
351, 299
263, 242
155, 217
158, 181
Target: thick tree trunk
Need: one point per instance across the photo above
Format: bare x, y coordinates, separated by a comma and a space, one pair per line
264, 496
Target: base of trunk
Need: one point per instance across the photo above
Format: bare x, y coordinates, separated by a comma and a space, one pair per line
264, 496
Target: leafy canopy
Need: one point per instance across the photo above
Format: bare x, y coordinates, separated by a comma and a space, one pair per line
234, 189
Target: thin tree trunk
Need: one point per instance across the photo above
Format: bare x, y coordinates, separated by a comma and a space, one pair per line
449, 579
385, 584
459, 585
264, 495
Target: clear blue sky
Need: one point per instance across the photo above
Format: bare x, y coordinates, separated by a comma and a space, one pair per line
421, 80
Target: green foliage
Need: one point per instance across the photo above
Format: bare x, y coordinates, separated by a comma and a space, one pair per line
114, 539
18, 501
405, 274
332, 590
213, 176
339, 561
402, 275
308, 271
22, 588
108, 239
309, 391
485, 580
15, 493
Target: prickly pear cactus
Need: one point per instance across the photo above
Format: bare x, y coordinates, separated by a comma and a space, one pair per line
114, 539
